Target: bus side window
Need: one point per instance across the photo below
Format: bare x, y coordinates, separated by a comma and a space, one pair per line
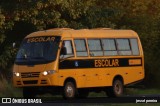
95, 48
80, 47
123, 46
109, 47
134, 46
67, 50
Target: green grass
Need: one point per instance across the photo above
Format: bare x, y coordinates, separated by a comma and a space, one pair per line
130, 91
94, 94
7, 89
136, 91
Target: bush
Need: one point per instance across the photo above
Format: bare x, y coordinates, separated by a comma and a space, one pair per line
7, 89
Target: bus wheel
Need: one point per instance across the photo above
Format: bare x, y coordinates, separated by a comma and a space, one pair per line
29, 92
116, 90
69, 90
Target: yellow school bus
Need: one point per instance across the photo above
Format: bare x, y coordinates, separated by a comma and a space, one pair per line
74, 62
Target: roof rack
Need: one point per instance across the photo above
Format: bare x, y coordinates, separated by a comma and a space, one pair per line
102, 28
61, 29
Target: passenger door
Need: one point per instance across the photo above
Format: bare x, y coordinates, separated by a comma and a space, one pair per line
87, 72
95, 51
81, 58
69, 65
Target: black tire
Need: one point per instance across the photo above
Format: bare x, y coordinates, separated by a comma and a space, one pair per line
29, 92
69, 91
116, 90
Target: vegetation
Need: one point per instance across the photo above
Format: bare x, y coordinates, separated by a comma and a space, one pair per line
21, 17
7, 89
141, 91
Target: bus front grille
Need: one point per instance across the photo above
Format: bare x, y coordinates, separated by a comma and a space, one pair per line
30, 74
30, 82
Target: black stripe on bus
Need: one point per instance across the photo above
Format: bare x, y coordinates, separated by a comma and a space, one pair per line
98, 63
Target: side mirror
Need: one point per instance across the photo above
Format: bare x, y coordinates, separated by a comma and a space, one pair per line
63, 51
14, 45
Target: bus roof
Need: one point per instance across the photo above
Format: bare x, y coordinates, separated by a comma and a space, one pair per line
87, 33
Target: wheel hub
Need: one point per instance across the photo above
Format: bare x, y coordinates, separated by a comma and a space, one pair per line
118, 89
69, 91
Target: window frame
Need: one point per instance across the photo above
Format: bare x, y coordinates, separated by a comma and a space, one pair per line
128, 43
102, 50
71, 46
137, 46
85, 43
114, 40
95, 50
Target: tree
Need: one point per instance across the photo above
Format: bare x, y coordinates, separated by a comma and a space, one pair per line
21, 17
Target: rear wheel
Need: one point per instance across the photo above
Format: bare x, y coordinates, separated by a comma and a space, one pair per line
116, 90
69, 90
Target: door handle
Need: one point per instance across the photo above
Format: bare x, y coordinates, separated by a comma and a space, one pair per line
61, 76
108, 74
96, 74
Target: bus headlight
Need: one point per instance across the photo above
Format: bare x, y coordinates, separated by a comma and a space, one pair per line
17, 74
48, 72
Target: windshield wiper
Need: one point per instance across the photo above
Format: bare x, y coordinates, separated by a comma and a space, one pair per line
25, 56
69, 57
64, 58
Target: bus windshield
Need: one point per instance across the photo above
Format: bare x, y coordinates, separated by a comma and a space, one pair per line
38, 50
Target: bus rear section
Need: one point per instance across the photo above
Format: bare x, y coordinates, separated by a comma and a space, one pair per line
75, 62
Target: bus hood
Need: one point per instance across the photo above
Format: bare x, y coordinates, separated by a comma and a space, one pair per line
35, 68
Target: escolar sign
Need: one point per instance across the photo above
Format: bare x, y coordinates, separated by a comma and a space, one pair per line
40, 39
106, 63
